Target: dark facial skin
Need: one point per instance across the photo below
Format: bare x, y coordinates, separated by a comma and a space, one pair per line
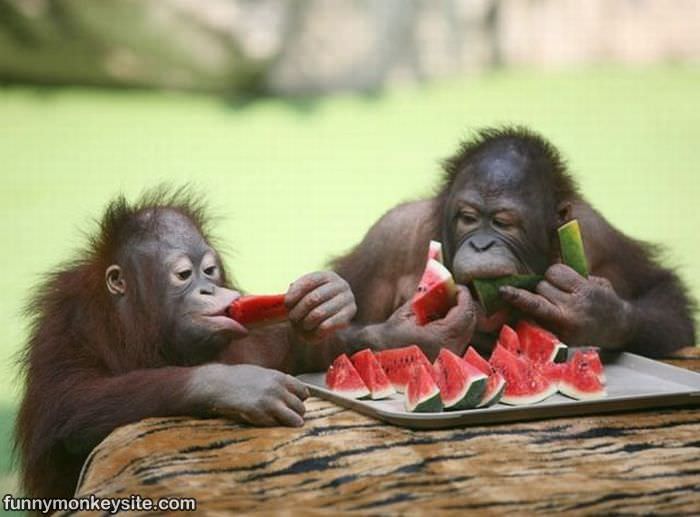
495, 220
185, 273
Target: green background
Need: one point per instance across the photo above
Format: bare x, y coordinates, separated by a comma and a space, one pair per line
298, 181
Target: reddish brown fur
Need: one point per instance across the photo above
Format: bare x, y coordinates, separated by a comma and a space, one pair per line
383, 270
84, 367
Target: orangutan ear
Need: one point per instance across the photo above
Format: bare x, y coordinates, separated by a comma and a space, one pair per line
115, 280
564, 211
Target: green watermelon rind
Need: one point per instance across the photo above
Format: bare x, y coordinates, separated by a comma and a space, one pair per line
560, 353
571, 246
432, 403
496, 397
469, 397
486, 289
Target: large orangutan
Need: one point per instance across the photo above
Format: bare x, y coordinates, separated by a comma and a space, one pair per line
502, 197
133, 327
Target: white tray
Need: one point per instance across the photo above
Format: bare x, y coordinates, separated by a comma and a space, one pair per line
633, 382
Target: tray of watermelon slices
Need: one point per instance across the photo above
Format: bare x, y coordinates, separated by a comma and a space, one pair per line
529, 375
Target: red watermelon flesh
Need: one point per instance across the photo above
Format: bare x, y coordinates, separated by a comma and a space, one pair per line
435, 295
435, 251
593, 359
372, 374
525, 383
422, 394
461, 385
258, 309
540, 345
553, 371
398, 364
509, 340
343, 378
579, 380
495, 384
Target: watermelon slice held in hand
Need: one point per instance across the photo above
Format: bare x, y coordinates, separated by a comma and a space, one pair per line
435, 251
398, 364
461, 385
422, 394
372, 374
540, 345
436, 293
343, 378
525, 383
259, 310
495, 384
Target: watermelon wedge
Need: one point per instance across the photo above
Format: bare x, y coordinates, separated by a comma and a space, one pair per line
579, 380
540, 345
435, 251
343, 378
486, 289
372, 374
422, 394
436, 293
571, 246
509, 339
398, 364
525, 383
594, 362
461, 385
495, 384
258, 310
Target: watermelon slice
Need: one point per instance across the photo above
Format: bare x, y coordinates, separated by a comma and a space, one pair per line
540, 345
435, 295
372, 374
509, 339
594, 362
435, 251
342, 378
258, 309
486, 289
398, 364
495, 384
525, 383
461, 385
422, 394
553, 371
579, 380
571, 245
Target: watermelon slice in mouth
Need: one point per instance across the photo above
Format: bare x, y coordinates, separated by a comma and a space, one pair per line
343, 378
372, 374
461, 385
258, 310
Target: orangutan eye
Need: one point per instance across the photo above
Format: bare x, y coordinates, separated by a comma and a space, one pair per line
467, 218
210, 271
184, 274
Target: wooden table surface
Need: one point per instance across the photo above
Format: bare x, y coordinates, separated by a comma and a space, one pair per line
635, 462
